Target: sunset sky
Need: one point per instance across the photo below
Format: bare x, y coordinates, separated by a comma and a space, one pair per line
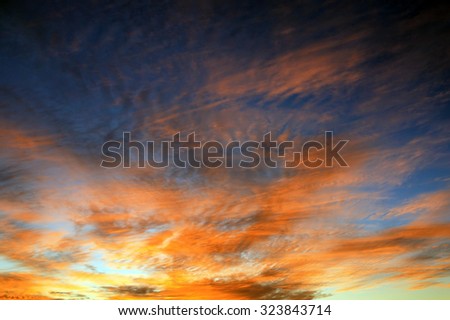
75, 74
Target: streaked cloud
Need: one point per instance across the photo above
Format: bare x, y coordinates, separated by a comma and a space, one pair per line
72, 230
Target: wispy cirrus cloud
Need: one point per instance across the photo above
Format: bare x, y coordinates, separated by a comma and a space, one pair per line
72, 230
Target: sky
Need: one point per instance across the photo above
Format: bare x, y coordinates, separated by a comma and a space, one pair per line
76, 74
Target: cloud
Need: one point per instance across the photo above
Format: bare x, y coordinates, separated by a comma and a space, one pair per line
131, 291
71, 229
